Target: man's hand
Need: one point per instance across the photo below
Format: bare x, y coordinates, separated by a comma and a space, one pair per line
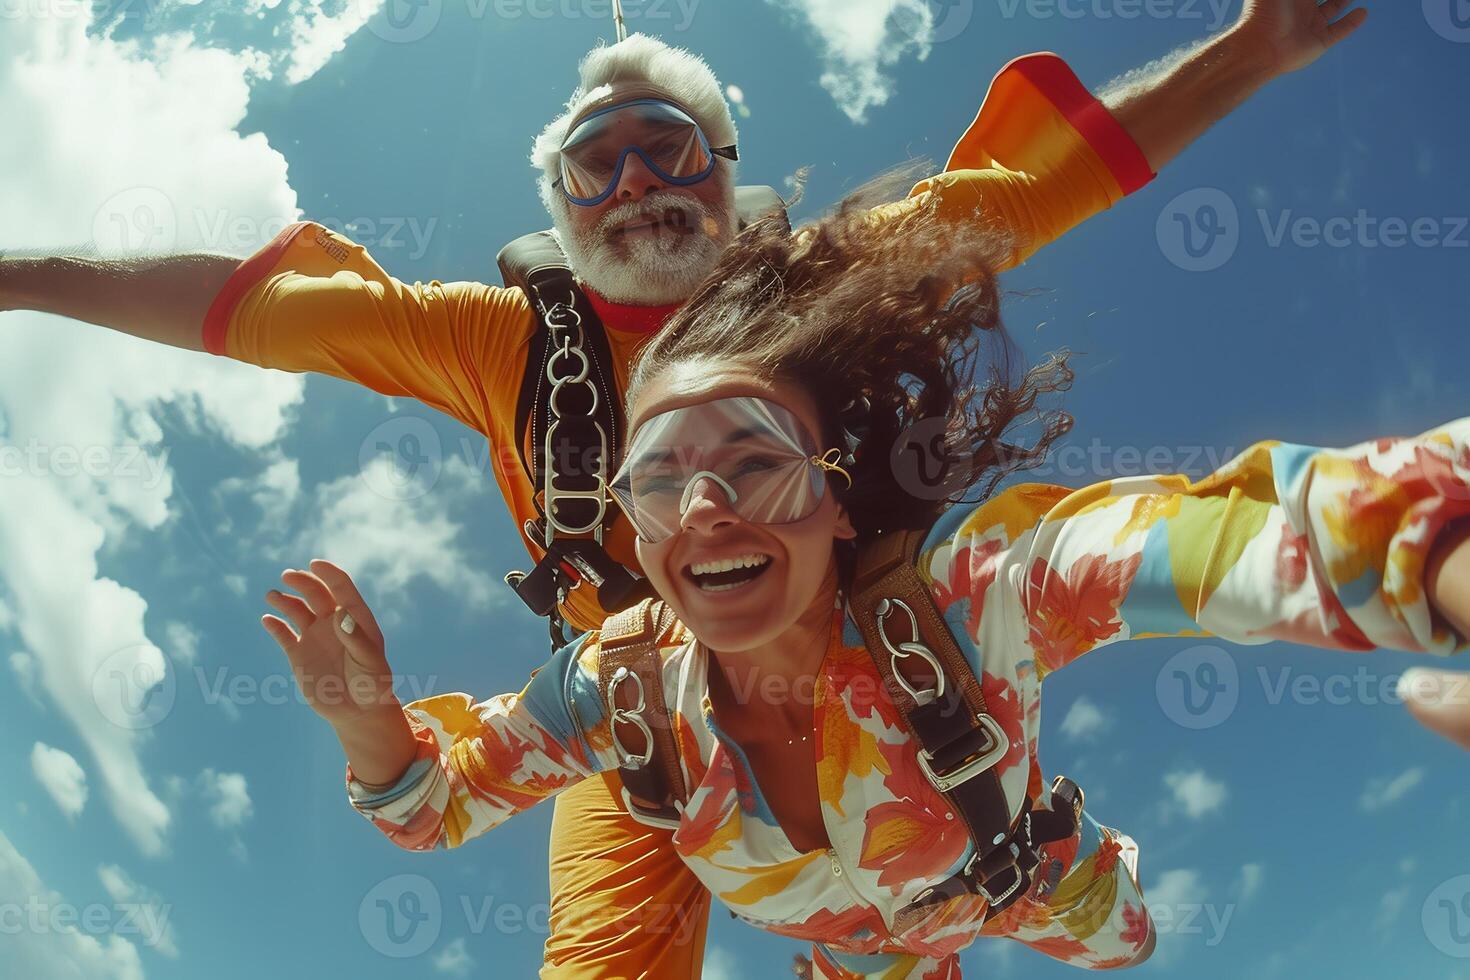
1167, 105
1291, 34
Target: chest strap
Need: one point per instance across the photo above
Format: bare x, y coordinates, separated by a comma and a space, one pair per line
630, 677
942, 704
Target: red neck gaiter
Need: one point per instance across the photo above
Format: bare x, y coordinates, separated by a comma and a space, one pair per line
629, 318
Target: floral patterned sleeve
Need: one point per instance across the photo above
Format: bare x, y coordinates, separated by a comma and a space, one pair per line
1317, 546
480, 764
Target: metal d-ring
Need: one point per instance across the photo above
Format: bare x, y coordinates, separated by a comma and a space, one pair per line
910, 648
630, 716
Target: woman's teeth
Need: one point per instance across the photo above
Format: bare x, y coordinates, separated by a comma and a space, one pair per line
728, 573
728, 564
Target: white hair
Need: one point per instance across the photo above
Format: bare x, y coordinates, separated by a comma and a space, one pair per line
679, 74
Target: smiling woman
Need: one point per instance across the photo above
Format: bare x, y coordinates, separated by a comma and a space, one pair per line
766, 419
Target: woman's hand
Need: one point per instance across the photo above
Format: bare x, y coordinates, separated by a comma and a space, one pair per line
1291, 34
335, 649
1440, 701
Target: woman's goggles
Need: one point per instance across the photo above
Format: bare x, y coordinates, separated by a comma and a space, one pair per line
666, 138
755, 452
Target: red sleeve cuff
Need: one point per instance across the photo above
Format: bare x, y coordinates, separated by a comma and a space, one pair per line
241, 281
1048, 76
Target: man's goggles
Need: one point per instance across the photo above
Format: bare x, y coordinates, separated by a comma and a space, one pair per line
665, 137
755, 452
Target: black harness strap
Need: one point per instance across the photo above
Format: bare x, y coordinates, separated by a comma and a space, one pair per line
588, 408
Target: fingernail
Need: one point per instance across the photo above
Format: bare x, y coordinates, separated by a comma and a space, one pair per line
1413, 685
347, 624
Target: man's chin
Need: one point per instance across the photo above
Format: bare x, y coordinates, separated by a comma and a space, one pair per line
634, 277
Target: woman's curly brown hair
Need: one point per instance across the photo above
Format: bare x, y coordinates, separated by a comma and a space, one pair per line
897, 335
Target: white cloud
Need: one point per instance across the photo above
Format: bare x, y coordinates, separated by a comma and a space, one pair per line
183, 642
317, 36
1390, 906
56, 952
720, 964
860, 41
1084, 719
61, 776
23, 666
274, 491
1386, 791
1195, 793
163, 117
148, 912
228, 798
1249, 881
454, 959
1174, 894
384, 543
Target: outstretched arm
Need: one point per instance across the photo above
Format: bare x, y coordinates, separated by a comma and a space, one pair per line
1167, 105
161, 299
1331, 548
443, 769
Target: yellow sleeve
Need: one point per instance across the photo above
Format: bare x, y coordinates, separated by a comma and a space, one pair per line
1042, 156
316, 301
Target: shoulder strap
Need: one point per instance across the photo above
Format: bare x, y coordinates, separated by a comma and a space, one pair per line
943, 706
630, 677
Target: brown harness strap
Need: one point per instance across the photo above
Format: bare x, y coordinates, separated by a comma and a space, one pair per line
630, 677
939, 696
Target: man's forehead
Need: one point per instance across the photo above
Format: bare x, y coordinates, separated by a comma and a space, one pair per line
617, 93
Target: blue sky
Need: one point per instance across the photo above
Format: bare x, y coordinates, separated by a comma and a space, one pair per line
1303, 830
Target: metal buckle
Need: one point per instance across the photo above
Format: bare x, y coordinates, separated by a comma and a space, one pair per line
650, 818
997, 899
1000, 745
630, 716
911, 648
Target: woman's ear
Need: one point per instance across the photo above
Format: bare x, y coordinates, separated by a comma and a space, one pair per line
843, 530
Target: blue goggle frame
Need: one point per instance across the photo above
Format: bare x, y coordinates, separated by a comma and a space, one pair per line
713, 152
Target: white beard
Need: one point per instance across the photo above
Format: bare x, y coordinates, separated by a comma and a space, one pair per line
645, 269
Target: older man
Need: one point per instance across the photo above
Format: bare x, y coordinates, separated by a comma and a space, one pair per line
639, 178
